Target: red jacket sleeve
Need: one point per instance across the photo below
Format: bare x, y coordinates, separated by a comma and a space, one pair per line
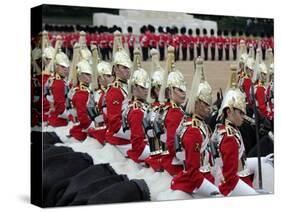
114, 99
229, 154
80, 103
135, 118
172, 122
58, 91
192, 144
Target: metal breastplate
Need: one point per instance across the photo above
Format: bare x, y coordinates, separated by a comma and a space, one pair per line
148, 122
92, 107
159, 128
70, 106
205, 151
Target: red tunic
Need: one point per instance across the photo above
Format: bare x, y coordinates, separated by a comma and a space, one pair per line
183, 41
234, 42
58, 90
79, 101
270, 103
172, 121
261, 99
190, 179
220, 42
130, 39
114, 98
230, 149
246, 84
138, 138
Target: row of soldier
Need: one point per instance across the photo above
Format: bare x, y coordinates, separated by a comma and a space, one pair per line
142, 114
187, 45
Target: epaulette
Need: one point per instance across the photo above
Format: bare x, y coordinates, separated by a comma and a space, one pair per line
196, 123
84, 88
58, 77
116, 84
174, 105
136, 105
229, 130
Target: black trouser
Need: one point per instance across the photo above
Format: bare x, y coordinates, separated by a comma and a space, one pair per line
103, 52
234, 51
110, 53
191, 53
263, 53
226, 53
131, 50
220, 54
213, 53
162, 52
198, 50
184, 53
177, 54
144, 53
205, 53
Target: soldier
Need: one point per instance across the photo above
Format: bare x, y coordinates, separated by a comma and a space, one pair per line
183, 42
144, 42
154, 160
245, 82
198, 42
110, 42
220, 43
270, 92
48, 57
213, 44
58, 91
176, 42
96, 104
170, 113
206, 41
227, 42
103, 43
242, 58
260, 90
131, 39
36, 55
133, 116
152, 38
193, 140
234, 44
270, 87
79, 95
161, 43
116, 95
191, 44
233, 173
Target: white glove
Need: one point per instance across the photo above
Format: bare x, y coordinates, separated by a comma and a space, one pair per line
64, 115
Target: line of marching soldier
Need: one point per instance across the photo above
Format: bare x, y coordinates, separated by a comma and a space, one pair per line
151, 117
188, 43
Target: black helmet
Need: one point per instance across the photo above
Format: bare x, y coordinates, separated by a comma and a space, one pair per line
197, 31
212, 31
190, 32
130, 29
204, 31
183, 30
